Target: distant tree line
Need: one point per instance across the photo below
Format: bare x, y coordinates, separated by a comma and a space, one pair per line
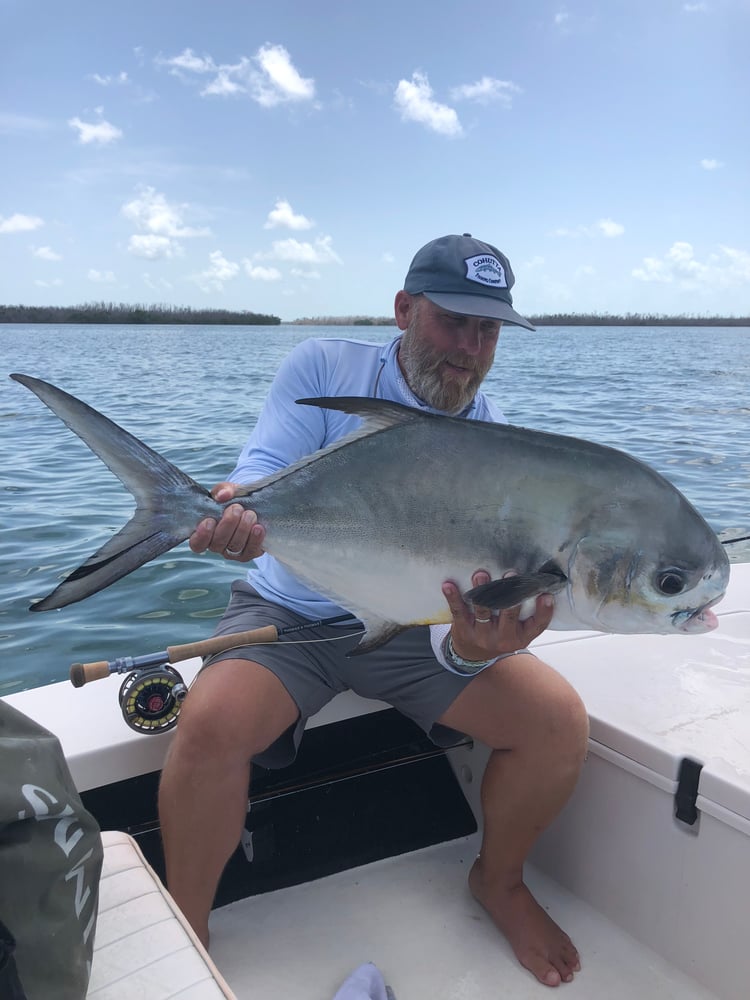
553, 319
112, 312
635, 319
344, 321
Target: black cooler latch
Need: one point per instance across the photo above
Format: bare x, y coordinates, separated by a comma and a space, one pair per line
686, 795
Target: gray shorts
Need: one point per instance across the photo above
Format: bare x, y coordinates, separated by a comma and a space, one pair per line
403, 673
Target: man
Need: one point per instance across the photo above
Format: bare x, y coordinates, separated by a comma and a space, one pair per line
475, 676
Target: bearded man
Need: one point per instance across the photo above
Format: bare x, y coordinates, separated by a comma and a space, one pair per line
474, 677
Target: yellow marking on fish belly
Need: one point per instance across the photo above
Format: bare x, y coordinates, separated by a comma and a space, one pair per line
440, 618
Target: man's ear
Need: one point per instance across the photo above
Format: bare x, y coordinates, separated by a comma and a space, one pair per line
403, 308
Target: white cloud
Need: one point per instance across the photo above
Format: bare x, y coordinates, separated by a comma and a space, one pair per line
269, 77
46, 253
19, 223
54, 283
604, 227
414, 99
280, 81
187, 60
711, 164
101, 277
561, 17
487, 90
695, 8
222, 85
102, 132
728, 268
609, 228
283, 215
153, 247
219, 271
297, 272
388, 258
151, 212
259, 273
107, 80
321, 252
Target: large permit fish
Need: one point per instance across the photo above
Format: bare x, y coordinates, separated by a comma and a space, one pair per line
378, 520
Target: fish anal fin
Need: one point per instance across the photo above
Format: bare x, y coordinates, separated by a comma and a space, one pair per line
513, 590
377, 634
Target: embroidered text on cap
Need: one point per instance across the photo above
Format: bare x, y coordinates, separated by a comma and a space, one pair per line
486, 269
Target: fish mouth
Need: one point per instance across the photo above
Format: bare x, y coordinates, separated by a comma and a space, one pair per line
696, 620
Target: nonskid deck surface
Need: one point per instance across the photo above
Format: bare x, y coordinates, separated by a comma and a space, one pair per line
415, 919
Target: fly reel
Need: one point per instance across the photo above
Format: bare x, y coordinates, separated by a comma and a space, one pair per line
150, 698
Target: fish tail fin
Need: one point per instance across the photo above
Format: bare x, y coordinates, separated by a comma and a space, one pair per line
169, 503
139, 541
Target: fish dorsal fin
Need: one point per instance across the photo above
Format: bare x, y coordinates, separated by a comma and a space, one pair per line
377, 415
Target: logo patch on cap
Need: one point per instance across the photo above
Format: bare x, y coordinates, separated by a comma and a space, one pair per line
486, 269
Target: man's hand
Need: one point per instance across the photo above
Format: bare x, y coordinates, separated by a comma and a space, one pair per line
481, 634
237, 536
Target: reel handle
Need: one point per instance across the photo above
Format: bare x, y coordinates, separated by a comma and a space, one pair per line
82, 673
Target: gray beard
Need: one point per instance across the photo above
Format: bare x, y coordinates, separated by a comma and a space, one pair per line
422, 367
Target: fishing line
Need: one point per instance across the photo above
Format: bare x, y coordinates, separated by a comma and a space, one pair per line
730, 541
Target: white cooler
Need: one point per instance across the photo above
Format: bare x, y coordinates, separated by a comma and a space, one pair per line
670, 737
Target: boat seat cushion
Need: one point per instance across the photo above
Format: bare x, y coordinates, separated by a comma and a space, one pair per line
144, 946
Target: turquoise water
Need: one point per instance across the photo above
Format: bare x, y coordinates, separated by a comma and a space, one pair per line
678, 398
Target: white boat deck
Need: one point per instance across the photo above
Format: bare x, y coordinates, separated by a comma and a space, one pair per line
414, 918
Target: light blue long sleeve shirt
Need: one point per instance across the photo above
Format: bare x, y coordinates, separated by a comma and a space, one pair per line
286, 432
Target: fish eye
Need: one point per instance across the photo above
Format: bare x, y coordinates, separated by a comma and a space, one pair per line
670, 582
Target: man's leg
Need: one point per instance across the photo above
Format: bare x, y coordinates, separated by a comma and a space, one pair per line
537, 728
235, 709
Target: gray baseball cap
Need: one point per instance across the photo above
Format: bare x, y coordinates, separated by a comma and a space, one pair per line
465, 276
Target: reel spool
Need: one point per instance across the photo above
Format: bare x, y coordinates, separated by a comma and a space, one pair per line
150, 699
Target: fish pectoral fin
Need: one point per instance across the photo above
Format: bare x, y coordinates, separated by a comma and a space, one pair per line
377, 634
513, 590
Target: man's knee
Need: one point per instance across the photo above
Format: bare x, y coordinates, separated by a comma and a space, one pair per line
228, 717
567, 721
551, 719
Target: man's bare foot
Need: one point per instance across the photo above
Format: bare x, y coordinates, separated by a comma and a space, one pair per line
539, 944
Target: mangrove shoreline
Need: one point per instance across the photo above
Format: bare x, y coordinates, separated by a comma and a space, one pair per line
121, 313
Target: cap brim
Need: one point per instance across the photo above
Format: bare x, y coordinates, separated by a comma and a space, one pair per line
478, 305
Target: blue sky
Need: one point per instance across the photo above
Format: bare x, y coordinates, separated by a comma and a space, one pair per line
290, 157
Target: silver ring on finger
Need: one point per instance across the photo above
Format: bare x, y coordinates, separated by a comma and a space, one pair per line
482, 621
233, 552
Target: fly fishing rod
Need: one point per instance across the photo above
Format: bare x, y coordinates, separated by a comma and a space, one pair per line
153, 691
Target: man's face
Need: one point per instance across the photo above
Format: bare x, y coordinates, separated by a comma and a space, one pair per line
445, 356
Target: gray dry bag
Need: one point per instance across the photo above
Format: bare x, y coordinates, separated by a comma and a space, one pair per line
50, 863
